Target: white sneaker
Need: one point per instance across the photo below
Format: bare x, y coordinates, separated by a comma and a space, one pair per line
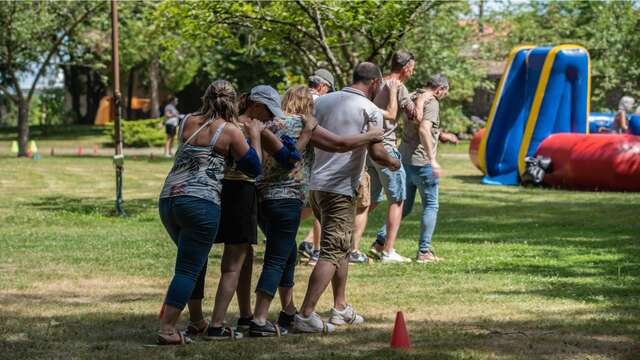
312, 324
346, 316
394, 257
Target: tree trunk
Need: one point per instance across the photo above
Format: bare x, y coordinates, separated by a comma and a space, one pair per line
23, 127
154, 70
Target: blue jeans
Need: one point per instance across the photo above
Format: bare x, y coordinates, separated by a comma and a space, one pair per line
192, 223
279, 221
393, 183
419, 178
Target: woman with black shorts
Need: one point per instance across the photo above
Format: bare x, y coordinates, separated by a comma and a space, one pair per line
239, 219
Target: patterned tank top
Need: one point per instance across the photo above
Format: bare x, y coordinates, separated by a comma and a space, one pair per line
197, 170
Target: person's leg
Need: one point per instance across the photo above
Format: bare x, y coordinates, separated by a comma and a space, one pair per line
233, 262
336, 213
363, 207
198, 220
360, 224
166, 142
196, 316
171, 143
243, 291
394, 183
412, 179
428, 187
316, 234
285, 288
339, 284
283, 217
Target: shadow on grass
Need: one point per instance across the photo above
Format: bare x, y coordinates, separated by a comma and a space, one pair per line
91, 206
124, 335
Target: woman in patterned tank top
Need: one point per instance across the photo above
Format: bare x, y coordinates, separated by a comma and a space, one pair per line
190, 198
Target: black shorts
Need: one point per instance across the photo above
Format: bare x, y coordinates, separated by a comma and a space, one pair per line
170, 130
239, 215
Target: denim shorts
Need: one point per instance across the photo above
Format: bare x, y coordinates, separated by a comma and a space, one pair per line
394, 183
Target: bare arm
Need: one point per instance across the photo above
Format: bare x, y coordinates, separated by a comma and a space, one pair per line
326, 140
379, 154
270, 142
424, 131
391, 112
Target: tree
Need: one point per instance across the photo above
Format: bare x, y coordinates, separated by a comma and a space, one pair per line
311, 34
608, 30
33, 32
295, 38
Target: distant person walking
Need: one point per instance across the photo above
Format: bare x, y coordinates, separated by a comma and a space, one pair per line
190, 198
334, 182
171, 121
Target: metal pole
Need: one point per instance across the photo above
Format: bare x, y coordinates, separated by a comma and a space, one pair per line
118, 158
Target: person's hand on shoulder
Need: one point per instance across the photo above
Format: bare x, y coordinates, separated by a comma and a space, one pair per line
310, 122
254, 127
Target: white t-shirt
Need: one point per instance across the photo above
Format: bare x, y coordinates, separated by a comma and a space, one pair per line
346, 112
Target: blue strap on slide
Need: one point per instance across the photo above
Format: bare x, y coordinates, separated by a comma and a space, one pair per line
250, 164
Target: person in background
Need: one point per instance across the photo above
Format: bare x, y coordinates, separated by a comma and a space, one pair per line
333, 185
190, 199
621, 121
171, 120
418, 150
320, 83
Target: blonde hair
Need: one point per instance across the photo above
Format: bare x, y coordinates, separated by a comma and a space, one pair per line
298, 101
219, 100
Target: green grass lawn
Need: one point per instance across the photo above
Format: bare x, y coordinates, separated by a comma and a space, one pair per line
529, 273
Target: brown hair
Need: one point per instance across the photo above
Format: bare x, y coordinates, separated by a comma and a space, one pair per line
219, 100
298, 100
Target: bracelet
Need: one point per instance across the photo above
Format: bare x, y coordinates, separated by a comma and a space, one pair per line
314, 127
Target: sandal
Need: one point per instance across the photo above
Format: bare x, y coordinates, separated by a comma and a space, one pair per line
193, 330
163, 339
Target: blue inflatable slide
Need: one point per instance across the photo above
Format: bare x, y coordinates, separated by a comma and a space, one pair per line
543, 91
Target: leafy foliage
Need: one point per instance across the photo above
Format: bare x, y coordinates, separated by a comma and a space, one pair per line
609, 30
140, 133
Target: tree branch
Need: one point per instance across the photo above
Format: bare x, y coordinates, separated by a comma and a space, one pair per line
315, 17
5, 91
57, 44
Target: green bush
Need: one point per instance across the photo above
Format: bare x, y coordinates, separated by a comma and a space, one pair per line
140, 133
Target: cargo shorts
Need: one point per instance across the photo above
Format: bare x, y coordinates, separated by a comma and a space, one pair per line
336, 213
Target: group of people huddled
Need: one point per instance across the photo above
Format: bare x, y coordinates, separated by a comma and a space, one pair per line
252, 160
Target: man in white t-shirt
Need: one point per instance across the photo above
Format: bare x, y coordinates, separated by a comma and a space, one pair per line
333, 188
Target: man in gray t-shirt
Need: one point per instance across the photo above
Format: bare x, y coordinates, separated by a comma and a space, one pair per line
418, 149
392, 183
333, 186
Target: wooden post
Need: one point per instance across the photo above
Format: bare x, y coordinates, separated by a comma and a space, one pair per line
118, 158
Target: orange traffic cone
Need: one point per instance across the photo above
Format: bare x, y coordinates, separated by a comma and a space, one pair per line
80, 151
95, 149
52, 152
400, 336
